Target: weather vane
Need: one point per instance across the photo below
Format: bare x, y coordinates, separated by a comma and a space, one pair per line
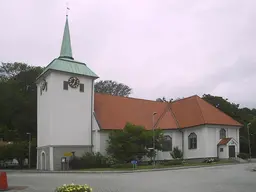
67, 9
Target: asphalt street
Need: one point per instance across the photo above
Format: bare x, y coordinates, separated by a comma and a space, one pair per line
228, 178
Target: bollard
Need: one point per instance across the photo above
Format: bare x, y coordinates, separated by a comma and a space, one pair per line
3, 181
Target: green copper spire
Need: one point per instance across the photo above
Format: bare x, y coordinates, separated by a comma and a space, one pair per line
66, 50
65, 62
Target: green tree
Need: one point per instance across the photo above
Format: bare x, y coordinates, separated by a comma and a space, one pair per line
112, 88
133, 142
6, 153
18, 100
163, 99
242, 115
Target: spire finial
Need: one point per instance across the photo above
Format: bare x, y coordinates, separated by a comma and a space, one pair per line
66, 50
67, 9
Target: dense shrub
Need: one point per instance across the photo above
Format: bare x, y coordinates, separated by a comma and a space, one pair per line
243, 155
120, 166
176, 153
173, 162
73, 188
89, 160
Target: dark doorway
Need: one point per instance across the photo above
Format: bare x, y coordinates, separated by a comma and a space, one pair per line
232, 151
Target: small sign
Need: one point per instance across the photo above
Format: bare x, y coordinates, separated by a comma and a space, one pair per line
63, 159
134, 164
68, 154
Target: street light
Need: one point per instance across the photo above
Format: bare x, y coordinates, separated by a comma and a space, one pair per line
249, 141
154, 144
29, 148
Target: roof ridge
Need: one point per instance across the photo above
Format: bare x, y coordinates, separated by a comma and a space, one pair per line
161, 116
185, 98
202, 114
133, 98
70, 60
45, 68
174, 116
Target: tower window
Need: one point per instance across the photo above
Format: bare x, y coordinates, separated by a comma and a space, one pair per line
81, 87
65, 85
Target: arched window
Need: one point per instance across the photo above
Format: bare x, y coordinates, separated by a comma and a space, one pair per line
167, 143
192, 141
222, 133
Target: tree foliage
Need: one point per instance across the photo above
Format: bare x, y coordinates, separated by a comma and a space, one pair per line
18, 100
243, 115
19, 151
163, 99
133, 142
112, 88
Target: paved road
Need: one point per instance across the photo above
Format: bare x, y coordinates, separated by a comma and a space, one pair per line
229, 178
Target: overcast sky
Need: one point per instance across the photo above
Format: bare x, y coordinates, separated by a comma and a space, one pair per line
171, 48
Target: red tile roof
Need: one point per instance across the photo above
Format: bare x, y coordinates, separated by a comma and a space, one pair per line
224, 141
113, 112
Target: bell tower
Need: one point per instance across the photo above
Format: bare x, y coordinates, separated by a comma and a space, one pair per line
65, 101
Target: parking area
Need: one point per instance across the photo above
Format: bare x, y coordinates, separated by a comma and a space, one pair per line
229, 178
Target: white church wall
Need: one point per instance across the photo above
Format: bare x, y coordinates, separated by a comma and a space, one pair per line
202, 136
71, 110
176, 136
103, 141
231, 132
96, 135
223, 151
212, 141
43, 115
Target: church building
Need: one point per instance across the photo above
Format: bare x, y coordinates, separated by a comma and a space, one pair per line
72, 119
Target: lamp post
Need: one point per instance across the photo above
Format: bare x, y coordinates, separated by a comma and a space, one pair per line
154, 143
249, 141
29, 149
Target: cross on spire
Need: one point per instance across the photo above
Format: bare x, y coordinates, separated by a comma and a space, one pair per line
66, 49
67, 10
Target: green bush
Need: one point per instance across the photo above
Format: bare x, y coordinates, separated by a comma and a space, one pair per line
120, 166
172, 162
176, 153
73, 188
243, 156
211, 160
89, 160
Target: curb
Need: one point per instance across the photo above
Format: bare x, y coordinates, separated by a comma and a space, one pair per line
127, 171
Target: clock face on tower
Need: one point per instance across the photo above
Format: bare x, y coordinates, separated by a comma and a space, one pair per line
73, 82
44, 84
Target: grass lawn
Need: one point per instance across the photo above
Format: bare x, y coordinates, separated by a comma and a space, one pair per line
159, 166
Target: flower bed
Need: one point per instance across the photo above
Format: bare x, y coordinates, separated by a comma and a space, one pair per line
73, 188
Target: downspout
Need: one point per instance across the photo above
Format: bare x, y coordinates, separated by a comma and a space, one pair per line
92, 105
182, 138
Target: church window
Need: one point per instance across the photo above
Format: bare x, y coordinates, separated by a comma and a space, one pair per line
222, 133
81, 87
167, 143
65, 85
192, 141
